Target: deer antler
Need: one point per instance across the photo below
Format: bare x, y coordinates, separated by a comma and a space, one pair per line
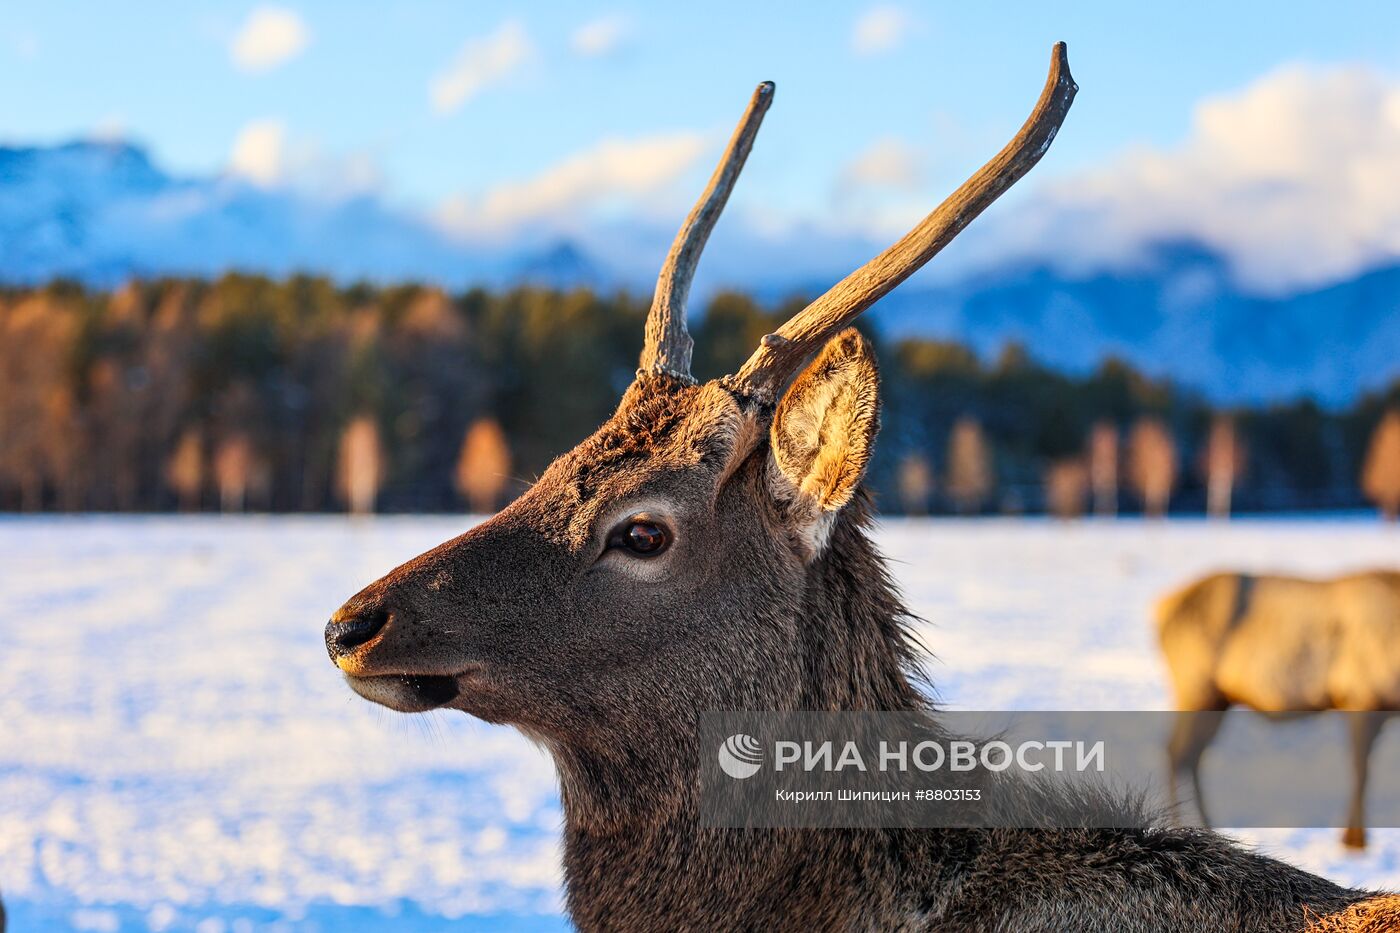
668, 345
781, 354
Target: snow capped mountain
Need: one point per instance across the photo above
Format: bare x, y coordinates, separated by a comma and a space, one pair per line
562, 264
1180, 315
53, 200
102, 212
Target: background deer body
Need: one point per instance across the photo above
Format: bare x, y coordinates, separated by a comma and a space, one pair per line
705, 550
1278, 645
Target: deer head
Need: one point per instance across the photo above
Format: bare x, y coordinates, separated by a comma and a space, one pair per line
701, 550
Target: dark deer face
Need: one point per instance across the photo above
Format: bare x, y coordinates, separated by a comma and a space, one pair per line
662, 561
665, 565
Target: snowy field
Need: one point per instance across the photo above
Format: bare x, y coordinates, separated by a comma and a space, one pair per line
177, 753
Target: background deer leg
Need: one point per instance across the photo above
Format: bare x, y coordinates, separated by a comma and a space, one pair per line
1364, 729
1192, 733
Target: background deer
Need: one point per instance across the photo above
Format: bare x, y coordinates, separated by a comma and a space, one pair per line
706, 549
1277, 645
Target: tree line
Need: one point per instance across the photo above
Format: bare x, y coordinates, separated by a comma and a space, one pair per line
300, 395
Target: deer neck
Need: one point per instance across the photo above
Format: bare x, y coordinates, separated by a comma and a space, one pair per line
858, 651
637, 814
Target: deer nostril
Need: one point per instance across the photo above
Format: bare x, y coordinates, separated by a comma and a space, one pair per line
345, 635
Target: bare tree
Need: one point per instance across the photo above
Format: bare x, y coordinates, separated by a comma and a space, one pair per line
361, 465
40, 440
915, 483
184, 471
27, 372
1380, 479
238, 413
233, 467
1222, 461
1152, 464
260, 482
117, 393
1066, 488
165, 359
64, 448
1103, 467
483, 468
969, 481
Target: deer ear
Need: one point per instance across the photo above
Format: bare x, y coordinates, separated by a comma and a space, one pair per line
824, 429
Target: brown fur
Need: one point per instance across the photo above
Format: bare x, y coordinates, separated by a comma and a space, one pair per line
1284, 644
824, 431
771, 596
1373, 915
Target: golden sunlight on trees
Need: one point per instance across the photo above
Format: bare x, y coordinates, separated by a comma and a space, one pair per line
1380, 479
1066, 488
483, 468
184, 471
1152, 464
233, 471
63, 448
99, 390
969, 481
1222, 462
1103, 467
32, 345
915, 483
361, 465
118, 396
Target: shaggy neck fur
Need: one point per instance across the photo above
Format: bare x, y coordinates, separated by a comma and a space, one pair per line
858, 650
636, 857
635, 817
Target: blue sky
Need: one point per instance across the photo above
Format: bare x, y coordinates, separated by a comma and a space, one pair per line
491, 117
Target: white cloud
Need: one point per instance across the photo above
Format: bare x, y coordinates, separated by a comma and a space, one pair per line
112, 128
879, 193
1291, 179
265, 153
483, 61
601, 37
879, 29
889, 164
260, 152
271, 36
609, 170
358, 173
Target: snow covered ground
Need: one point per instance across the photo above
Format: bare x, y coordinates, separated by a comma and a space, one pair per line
176, 752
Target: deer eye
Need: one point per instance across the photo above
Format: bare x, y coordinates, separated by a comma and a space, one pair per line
642, 537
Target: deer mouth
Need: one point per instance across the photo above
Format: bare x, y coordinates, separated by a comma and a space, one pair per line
407, 693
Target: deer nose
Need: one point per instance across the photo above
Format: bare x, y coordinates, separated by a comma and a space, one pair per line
347, 631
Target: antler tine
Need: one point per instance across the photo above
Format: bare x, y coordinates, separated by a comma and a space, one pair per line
668, 344
781, 354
